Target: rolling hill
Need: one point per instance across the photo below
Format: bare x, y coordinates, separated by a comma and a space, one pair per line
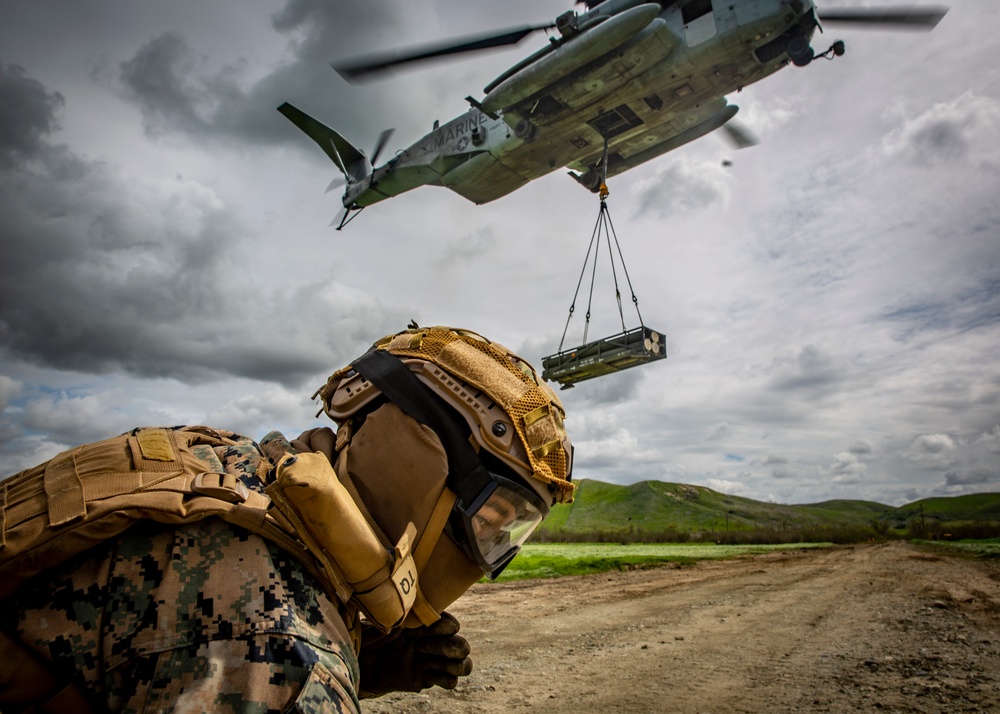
661, 506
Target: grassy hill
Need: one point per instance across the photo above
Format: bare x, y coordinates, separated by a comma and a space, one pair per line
974, 507
657, 506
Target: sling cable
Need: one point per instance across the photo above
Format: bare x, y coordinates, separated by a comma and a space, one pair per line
629, 348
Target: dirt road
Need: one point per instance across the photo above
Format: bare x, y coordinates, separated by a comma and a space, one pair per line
890, 628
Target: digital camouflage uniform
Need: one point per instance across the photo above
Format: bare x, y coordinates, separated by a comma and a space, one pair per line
199, 617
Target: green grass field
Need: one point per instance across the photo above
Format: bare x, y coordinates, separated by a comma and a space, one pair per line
980, 548
551, 560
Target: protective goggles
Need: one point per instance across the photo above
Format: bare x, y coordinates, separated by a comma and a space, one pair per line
493, 518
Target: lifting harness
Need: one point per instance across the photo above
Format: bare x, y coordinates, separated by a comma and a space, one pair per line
630, 347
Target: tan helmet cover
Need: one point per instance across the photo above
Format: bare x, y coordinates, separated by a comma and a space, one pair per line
473, 375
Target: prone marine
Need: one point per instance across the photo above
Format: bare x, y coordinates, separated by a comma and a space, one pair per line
193, 569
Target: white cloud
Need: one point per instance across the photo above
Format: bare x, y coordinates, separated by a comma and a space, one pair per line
991, 440
9, 388
932, 452
73, 420
770, 460
846, 469
259, 412
961, 131
736, 488
862, 447
784, 472
720, 431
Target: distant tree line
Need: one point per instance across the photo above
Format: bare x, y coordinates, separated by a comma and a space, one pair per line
755, 536
935, 530
838, 534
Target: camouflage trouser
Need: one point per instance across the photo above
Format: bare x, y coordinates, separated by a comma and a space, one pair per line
203, 617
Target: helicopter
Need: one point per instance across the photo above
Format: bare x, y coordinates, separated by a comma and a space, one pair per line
619, 84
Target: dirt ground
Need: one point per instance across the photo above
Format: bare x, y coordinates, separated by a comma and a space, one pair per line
892, 628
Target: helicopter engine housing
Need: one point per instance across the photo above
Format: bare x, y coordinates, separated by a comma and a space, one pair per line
571, 56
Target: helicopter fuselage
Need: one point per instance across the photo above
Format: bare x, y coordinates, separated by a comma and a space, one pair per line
659, 81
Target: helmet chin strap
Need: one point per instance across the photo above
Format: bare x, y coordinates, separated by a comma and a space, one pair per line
433, 531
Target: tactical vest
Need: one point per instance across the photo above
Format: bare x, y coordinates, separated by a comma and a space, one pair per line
92, 493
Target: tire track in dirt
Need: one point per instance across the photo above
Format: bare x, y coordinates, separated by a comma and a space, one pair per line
885, 627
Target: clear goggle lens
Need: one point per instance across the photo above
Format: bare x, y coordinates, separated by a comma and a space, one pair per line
501, 520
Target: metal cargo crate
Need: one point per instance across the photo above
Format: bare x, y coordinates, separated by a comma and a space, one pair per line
612, 354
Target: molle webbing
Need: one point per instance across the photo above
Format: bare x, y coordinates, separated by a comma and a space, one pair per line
93, 493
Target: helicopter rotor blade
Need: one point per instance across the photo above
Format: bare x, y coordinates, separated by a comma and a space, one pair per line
906, 18
373, 65
739, 136
383, 139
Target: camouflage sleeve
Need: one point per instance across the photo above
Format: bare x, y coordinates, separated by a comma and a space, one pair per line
203, 617
261, 673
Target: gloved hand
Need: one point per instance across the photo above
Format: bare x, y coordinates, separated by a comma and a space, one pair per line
410, 660
321, 439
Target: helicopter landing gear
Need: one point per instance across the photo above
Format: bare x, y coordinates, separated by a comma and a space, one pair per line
799, 51
802, 54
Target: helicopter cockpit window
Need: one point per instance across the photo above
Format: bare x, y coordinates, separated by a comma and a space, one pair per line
699, 21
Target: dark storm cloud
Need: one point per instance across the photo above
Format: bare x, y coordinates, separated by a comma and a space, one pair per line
178, 92
161, 77
971, 477
27, 114
103, 274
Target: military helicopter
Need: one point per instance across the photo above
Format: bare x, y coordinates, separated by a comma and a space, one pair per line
618, 85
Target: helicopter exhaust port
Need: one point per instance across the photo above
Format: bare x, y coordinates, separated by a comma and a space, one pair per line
525, 131
590, 180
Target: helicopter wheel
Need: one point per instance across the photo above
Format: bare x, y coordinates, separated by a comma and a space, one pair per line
800, 51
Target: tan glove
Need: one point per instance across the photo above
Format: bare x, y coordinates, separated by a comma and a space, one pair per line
410, 660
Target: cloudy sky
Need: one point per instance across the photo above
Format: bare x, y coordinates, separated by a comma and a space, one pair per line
831, 300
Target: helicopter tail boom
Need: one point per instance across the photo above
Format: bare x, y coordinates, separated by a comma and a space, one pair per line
351, 161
